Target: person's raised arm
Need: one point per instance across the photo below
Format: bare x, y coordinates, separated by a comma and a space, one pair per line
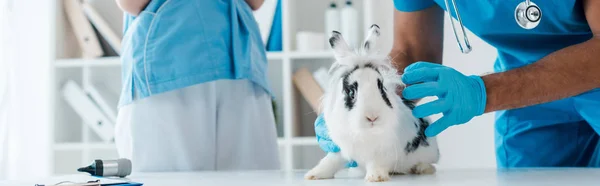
418, 36
561, 74
564, 73
133, 7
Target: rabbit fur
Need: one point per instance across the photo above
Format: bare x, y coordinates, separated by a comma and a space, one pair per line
365, 117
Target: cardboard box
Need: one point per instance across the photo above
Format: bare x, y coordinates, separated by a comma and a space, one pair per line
309, 88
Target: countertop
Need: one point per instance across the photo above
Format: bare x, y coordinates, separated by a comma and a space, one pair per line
462, 177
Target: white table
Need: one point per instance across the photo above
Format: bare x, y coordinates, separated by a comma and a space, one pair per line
518, 177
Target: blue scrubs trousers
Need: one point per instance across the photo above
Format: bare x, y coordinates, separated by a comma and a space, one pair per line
563, 133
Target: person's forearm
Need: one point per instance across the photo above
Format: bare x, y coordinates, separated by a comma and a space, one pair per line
255, 4
133, 7
564, 73
418, 36
401, 56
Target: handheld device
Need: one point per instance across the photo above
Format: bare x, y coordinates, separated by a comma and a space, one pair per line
106, 168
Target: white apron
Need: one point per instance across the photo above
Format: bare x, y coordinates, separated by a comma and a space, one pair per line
218, 125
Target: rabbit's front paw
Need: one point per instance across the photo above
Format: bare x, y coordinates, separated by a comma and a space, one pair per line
423, 168
326, 168
318, 173
377, 176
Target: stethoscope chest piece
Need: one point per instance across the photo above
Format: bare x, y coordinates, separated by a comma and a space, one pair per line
528, 15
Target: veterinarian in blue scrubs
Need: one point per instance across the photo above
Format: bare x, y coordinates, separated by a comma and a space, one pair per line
195, 94
545, 89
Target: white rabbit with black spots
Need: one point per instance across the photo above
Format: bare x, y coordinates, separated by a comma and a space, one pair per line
365, 117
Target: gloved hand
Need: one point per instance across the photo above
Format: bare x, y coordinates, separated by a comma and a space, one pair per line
324, 141
460, 97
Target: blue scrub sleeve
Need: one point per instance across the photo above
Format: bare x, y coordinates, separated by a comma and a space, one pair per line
412, 5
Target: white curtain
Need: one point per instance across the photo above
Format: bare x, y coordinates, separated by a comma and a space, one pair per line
5, 88
4, 96
25, 56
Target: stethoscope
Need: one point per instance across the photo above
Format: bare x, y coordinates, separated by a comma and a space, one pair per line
527, 15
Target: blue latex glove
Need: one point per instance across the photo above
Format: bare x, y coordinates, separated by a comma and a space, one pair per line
324, 141
460, 97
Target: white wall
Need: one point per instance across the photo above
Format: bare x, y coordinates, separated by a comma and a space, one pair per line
470, 145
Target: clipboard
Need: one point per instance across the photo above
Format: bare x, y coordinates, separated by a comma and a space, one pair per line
86, 180
91, 183
69, 183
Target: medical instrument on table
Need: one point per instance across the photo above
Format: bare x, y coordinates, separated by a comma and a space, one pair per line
120, 167
527, 15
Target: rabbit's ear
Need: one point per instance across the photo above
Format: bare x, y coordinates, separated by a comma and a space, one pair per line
371, 40
339, 45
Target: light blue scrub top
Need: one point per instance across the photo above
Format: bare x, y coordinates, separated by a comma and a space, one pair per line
177, 43
526, 132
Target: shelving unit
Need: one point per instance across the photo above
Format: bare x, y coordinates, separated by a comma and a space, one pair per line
75, 144
80, 63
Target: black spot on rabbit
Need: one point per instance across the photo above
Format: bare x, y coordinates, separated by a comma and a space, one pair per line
347, 74
420, 139
367, 45
371, 66
410, 104
376, 31
334, 38
382, 90
349, 93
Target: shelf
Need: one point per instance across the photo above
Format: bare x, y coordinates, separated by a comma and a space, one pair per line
80, 62
298, 141
312, 55
309, 140
80, 146
116, 61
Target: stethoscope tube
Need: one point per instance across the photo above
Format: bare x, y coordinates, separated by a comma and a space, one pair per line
527, 16
467, 46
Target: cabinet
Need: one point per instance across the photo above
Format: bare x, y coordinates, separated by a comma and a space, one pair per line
74, 144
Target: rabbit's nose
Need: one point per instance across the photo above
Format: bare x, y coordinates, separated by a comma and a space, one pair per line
372, 118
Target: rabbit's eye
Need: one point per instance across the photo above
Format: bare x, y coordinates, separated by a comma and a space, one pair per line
350, 90
351, 94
